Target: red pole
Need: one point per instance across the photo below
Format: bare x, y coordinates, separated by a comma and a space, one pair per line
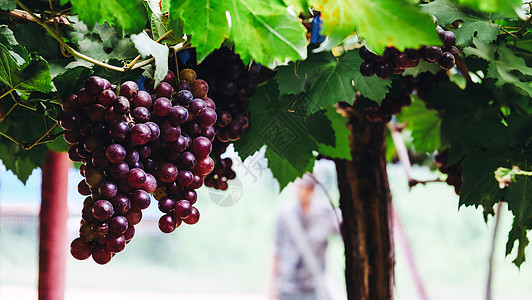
52, 232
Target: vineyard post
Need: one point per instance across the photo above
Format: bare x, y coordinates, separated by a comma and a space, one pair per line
52, 232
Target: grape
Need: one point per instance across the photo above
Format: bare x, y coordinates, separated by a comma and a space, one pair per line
115, 243
167, 172
71, 137
161, 106
129, 89
140, 134
107, 190
170, 77
192, 128
197, 182
80, 249
199, 88
118, 225
367, 68
204, 166
184, 97
115, 153
188, 74
96, 112
173, 188
136, 178
384, 70
449, 39
143, 99
102, 210
94, 178
183, 208
178, 115
144, 151
164, 89
187, 161
132, 157
185, 178
166, 204
69, 120
69, 102
151, 183
95, 85
170, 133
134, 215
182, 85
168, 223
208, 118
432, 53
208, 132
130, 232
197, 106
201, 146
101, 255
84, 99
83, 188
119, 171
121, 204
141, 114
121, 105
234, 131
92, 144
193, 217
189, 195
107, 98
446, 61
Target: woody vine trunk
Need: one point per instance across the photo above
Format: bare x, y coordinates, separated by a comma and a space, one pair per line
365, 201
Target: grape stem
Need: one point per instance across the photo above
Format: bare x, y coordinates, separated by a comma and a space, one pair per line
72, 51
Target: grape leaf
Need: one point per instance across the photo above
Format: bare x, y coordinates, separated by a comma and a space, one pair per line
424, 126
300, 6
146, 47
341, 148
498, 6
204, 20
503, 64
34, 76
71, 81
517, 233
422, 68
474, 24
283, 171
381, 23
7, 5
130, 15
266, 32
325, 79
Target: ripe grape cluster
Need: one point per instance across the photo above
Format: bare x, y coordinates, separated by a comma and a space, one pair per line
231, 84
395, 62
132, 143
454, 172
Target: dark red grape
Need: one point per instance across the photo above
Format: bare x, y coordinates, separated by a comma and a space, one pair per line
69, 120
101, 255
115, 243
80, 249
208, 118
201, 146
70, 102
115, 153
130, 232
367, 68
136, 178
102, 210
167, 172
184, 97
151, 183
143, 99
161, 106
134, 216
204, 166
197, 182
129, 89
384, 70
185, 177
197, 106
173, 188
199, 88
140, 134
193, 218
95, 85
187, 161
83, 188
119, 171
182, 85
107, 98
446, 61
107, 190
168, 223
182, 208
432, 54
189, 195
118, 225
170, 133
166, 204
164, 89
141, 114
121, 105
208, 132
121, 204
85, 99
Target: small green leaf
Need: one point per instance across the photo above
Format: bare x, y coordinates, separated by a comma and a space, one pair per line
147, 47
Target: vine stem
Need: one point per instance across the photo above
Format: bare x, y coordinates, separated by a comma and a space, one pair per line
132, 63
490, 263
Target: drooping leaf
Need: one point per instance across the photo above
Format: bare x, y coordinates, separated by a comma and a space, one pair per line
130, 15
381, 23
204, 20
517, 233
503, 65
282, 170
147, 47
423, 124
474, 24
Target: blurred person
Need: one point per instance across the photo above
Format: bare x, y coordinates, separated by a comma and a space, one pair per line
301, 239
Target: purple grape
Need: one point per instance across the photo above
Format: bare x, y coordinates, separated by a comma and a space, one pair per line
384, 70
208, 132
129, 89
151, 184
107, 98
136, 178
140, 134
83, 188
173, 189
189, 195
101, 255
71, 137
100, 229
118, 225
115, 153
184, 97
155, 131
185, 178
85, 99
144, 151
208, 118
102, 210
121, 105
121, 204
69, 120
182, 85
107, 190
132, 157
143, 99
168, 223
170, 77
141, 114
140, 199
170, 133
197, 182
178, 115
367, 68
96, 113
449, 39
186, 161
134, 216
197, 106
234, 131
164, 89
119, 171
167, 172
446, 61
115, 243
193, 217
70, 102
130, 232
182, 208
193, 129
94, 85
432, 54
166, 204
201, 146
204, 166
80, 249
149, 167
161, 106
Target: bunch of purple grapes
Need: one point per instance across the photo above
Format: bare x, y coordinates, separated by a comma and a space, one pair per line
395, 62
454, 172
231, 84
132, 143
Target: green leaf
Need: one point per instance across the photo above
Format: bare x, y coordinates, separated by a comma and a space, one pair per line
35, 76
326, 79
474, 24
282, 170
147, 47
71, 81
7, 5
158, 24
517, 233
116, 77
130, 15
381, 23
497, 6
503, 65
422, 67
266, 32
300, 6
423, 124
204, 20
341, 147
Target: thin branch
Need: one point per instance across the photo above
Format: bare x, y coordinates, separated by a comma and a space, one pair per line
490, 263
11, 139
42, 137
8, 112
7, 93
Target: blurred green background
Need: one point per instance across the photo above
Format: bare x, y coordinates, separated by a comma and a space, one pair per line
227, 255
